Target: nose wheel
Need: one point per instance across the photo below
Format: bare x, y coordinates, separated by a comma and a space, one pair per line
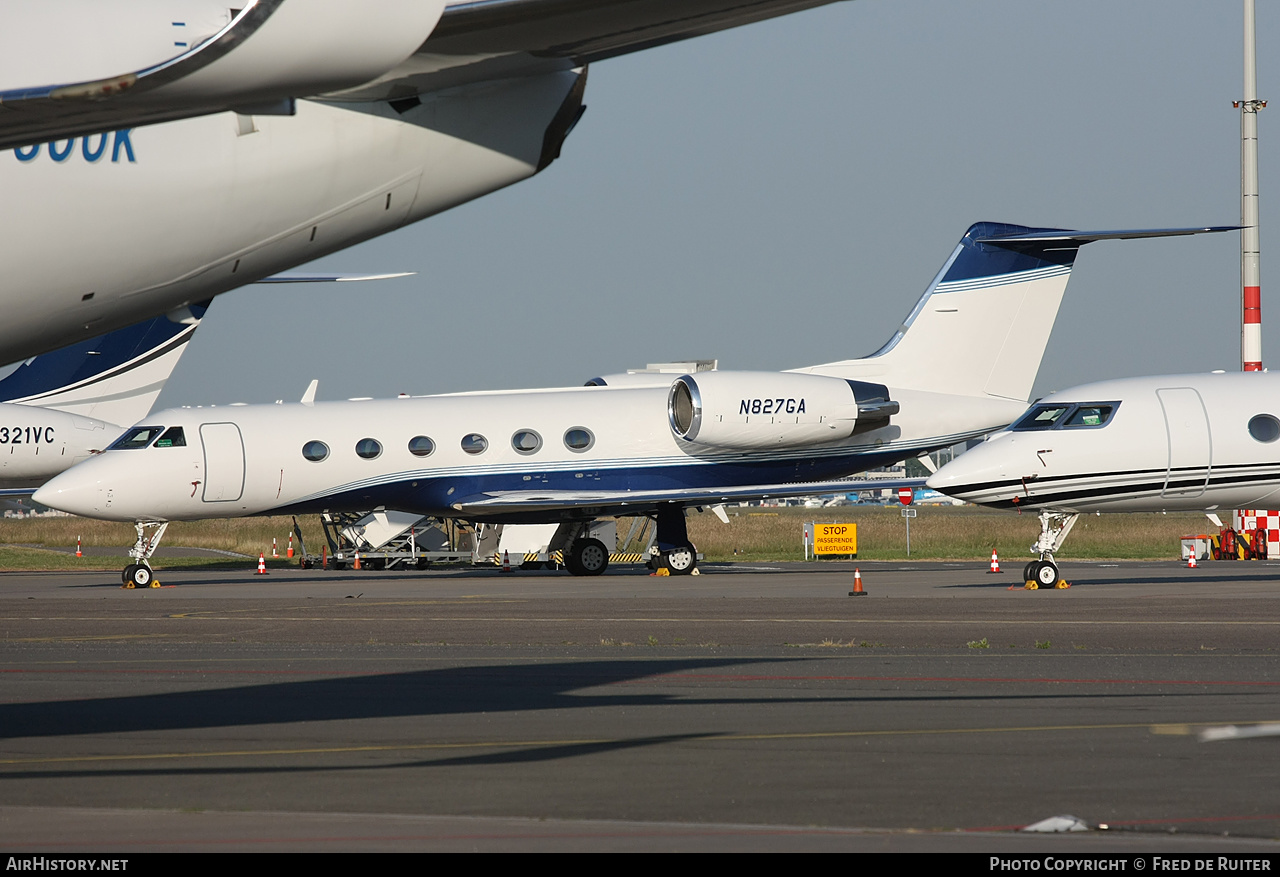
138, 575
1043, 574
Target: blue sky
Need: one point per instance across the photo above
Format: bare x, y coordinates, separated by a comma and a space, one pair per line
780, 194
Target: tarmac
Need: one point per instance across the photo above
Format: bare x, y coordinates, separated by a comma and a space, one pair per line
753, 707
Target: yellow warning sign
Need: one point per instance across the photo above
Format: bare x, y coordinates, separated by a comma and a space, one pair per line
835, 538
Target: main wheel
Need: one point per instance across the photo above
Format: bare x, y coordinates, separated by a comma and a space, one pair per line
681, 561
587, 557
1046, 574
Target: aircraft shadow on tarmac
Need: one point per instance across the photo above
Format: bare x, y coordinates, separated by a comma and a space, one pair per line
447, 691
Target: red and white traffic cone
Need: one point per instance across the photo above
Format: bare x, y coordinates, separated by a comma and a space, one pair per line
1191, 559
289, 553
262, 565
79, 553
356, 565
275, 551
995, 562
857, 584
506, 562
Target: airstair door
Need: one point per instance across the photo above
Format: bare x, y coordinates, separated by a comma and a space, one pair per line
223, 462
1190, 443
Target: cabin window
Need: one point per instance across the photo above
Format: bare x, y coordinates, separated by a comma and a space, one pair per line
421, 446
579, 439
174, 438
315, 451
369, 449
1264, 428
475, 443
526, 441
138, 437
1090, 414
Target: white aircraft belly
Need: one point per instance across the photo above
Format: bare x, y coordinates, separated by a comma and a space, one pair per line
186, 210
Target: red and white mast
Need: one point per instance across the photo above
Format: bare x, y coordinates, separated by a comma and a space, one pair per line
1250, 265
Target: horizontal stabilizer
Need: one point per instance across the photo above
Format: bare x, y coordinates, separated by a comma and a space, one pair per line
331, 278
606, 502
1081, 238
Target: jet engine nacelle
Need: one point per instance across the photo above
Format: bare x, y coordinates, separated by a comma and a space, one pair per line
750, 410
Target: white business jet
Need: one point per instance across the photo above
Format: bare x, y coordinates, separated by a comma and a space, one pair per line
1172, 442
961, 365
161, 152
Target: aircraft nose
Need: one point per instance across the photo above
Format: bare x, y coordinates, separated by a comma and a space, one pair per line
74, 491
974, 475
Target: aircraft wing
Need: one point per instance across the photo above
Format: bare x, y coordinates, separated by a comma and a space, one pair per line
478, 40
622, 502
267, 53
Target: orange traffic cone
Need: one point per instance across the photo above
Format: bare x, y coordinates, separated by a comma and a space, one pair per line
1191, 559
995, 562
356, 565
78, 552
290, 551
262, 565
857, 584
275, 551
506, 562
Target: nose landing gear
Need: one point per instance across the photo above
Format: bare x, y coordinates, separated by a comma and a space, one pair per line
1044, 573
140, 574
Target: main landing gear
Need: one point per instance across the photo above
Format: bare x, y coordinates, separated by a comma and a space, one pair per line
672, 549
586, 557
1044, 573
139, 574
583, 554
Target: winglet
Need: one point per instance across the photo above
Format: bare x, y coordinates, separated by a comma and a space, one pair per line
309, 397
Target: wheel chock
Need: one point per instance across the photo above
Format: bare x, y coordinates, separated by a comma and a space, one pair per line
661, 571
155, 583
1031, 586
1062, 585
127, 586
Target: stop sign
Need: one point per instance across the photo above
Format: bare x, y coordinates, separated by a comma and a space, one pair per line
905, 495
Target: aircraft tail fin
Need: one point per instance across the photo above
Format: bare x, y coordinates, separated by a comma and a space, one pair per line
115, 377
988, 313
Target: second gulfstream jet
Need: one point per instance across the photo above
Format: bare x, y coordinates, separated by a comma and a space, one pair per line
961, 365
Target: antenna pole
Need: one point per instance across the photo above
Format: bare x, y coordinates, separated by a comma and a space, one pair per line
1250, 262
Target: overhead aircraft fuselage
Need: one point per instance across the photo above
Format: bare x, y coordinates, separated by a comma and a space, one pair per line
156, 154
107, 229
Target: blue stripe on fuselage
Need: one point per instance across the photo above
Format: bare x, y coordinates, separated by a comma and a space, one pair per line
434, 495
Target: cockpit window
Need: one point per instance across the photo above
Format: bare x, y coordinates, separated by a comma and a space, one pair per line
174, 438
138, 437
1090, 415
1083, 415
1042, 417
